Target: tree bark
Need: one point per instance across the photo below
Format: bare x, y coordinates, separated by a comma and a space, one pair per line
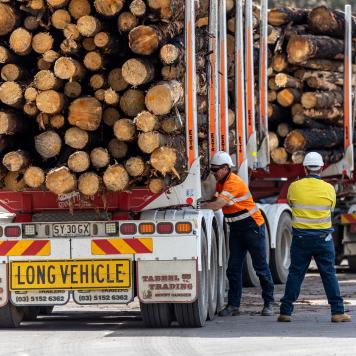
322, 100
333, 115
283, 15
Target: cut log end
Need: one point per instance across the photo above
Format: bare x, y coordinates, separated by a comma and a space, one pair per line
48, 144
135, 166
60, 181
124, 130
16, 160
117, 149
34, 177
76, 138
99, 157
78, 161
156, 185
116, 178
164, 160
146, 121
89, 183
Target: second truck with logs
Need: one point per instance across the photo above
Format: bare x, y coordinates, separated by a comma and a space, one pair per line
110, 112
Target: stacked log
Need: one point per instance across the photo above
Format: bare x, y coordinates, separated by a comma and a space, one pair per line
305, 95
92, 94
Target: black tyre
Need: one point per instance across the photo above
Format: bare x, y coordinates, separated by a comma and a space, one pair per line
222, 277
213, 278
250, 278
46, 310
10, 316
157, 315
195, 314
280, 256
30, 313
352, 263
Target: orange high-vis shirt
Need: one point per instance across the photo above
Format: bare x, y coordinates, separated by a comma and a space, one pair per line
240, 202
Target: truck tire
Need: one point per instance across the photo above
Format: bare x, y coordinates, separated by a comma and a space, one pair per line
10, 316
46, 310
280, 255
352, 263
213, 278
249, 277
222, 277
157, 315
30, 313
194, 314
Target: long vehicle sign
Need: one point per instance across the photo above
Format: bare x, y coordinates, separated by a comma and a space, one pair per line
65, 275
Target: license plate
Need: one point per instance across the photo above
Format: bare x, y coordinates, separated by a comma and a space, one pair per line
71, 230
65, 275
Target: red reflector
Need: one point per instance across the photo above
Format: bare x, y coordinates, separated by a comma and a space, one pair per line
12, 231
165, 228
128, 229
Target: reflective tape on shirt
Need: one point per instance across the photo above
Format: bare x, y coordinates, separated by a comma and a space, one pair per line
236, 200
242, 216
311, 207
311, 221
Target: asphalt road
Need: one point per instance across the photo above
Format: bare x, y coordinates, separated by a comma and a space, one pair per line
77, 330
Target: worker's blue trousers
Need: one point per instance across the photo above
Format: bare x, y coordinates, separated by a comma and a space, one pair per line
302, 251
248, 237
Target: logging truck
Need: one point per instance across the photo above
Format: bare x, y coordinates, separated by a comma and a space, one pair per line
161, 247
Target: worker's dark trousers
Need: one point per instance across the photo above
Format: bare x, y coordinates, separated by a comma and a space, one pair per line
302, 251
248, 237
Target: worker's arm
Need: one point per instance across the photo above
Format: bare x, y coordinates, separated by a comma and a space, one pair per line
214, 205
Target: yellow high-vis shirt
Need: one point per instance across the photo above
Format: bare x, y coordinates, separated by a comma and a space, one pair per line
312, 201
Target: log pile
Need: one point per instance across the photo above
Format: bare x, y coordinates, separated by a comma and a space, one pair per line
305, 95
92, 94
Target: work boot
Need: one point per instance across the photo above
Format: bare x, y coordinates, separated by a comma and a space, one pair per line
267, 310
339, 318
230, 310
284, 318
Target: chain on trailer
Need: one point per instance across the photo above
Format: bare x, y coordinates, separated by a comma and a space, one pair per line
223, 88
345, 167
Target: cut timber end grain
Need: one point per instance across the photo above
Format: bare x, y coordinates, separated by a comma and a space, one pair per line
36, 5
16, 160
100, 94
164, 160
279, 62
20, 41
60, 19
156, 185
48, 144
143, 40
117, 149
298, 157
322, 100
5, 55
138, 7
11, 72
108, 7
89, 44
302, 48
283, 129
69, 47
286, 81
135, 166
50, 56
124, 130
279, 155
30, 94
171, 125
99, 157
116, 80
111, 97
43, 120
30, 109
42, 42
149, 141
132, 102
71, 32
116, 178
231, 118
43, 65
287, 97
89, 183
102, 39
145, 121
78, 161
273, 141
7, 19
169, 54
136, 71
126, 22
97, 81
72, 89
14, 181
283, 15
88, 26
34, 177
85, 113
46, 80
161, 98
57, 121
60, 181
50, 101
31, 23
79, 8
10, 123
68, 68
11, 94
76, 138
110, 116
57, 4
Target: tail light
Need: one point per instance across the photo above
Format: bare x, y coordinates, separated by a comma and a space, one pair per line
164, 228
12, 231
128, 229
184, 228
146, 228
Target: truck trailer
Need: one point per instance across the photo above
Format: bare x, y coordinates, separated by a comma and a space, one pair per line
162, 248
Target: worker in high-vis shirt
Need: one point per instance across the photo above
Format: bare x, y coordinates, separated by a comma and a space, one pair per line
312, 201
247, 233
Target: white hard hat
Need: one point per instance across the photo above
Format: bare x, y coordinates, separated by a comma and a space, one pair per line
313, 161
221, 158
